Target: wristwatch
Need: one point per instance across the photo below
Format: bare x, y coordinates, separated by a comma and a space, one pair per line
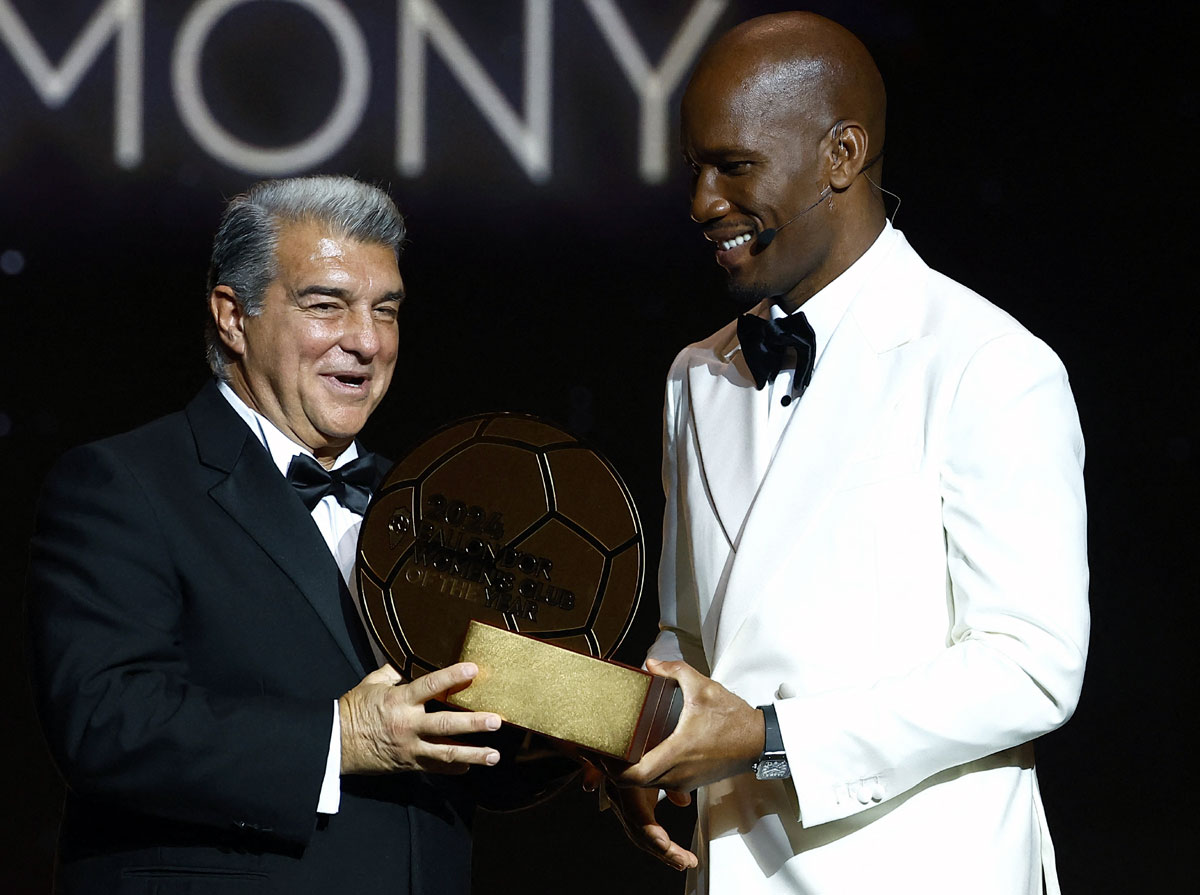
773, 763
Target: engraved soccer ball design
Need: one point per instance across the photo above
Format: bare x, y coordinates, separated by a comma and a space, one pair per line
506, 519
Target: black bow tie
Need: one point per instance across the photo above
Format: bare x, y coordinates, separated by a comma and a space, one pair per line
765, 343
350, 485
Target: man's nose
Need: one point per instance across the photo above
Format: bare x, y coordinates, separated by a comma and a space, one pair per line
361, 336
707, 201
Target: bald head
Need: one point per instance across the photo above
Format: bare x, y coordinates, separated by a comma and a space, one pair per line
799, 67
780, 119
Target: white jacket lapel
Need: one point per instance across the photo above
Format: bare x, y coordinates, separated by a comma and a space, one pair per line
730, 421
850, 395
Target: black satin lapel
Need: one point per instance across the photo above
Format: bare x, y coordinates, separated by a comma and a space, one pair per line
260, 500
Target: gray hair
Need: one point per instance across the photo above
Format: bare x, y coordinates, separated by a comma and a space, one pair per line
243, 255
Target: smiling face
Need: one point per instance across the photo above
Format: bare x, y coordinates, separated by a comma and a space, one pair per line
319, 357
760, 160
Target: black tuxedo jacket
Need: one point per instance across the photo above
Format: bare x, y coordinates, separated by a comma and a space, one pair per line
188, 639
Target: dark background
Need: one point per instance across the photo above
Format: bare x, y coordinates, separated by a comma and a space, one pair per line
1043, 151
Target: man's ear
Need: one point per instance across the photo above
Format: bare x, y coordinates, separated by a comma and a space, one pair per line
848, 153
230, 318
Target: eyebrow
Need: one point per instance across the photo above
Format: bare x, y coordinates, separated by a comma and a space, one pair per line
723, 151
338, 292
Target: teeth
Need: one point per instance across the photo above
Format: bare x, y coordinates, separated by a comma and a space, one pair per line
736, 241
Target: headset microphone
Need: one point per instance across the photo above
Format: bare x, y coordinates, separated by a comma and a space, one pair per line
767, 236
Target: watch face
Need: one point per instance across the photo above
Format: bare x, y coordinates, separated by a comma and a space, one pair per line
772, 769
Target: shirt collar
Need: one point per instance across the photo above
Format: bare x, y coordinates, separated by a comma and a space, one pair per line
826, 309
281, 448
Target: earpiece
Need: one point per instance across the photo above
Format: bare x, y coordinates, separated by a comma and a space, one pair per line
838, 129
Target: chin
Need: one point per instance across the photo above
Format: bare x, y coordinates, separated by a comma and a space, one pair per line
341, 431
747, 295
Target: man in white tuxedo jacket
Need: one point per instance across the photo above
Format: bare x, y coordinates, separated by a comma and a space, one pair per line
874, 572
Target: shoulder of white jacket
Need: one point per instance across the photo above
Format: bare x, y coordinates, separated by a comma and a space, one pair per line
910, 301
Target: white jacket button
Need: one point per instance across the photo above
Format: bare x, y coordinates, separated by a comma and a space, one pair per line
785, 691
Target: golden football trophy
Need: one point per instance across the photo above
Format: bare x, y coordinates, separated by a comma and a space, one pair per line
505, 541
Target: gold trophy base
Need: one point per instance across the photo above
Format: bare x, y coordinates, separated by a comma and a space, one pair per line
614, 709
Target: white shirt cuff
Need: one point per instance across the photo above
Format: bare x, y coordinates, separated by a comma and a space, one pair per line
331, 787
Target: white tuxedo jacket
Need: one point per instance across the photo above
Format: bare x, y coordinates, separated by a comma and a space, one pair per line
906, 580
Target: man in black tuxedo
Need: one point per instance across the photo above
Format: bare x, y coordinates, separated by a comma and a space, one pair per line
199, 665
